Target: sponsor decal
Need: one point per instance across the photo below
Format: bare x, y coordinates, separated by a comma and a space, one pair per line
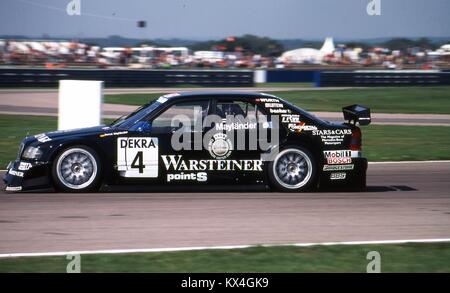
332, 136
267, 125
235, 126
273, 105
24, 166
15, 173
332, 132
220, 146
300, 126
279, 111
177, 163
296, 127
200, 177
137, 156
309, 127
13, 188
338, 167
267, 100
338, 176
290, 118
338, 157
113, 133
164, 98
42, 137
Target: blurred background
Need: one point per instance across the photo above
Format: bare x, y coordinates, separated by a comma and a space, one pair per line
233, 34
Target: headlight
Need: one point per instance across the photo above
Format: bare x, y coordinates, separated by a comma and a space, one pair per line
19, 153
32, 153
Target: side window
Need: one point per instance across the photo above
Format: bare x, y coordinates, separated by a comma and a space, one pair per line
184, 114
239, 109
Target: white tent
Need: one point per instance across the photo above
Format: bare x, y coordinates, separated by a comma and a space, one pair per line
328, 46
37, 46
23, 48
302, 55
308, 55
446, 47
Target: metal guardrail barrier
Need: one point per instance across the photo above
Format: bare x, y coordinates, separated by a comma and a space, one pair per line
290, 76
382, 78
31, 77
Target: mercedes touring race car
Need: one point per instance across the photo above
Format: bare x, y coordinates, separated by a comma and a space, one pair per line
201, 139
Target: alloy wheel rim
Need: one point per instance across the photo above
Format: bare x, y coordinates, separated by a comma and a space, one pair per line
292, 168
76, 168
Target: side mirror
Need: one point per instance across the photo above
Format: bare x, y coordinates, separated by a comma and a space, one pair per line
142, 126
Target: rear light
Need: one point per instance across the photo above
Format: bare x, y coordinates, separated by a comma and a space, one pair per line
355, 142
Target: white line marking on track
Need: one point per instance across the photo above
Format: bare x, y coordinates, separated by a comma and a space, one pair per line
145, 250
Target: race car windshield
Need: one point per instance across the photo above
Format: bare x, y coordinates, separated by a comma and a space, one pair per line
131, 119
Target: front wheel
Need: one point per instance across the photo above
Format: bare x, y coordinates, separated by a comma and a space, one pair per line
293, 169
77, 169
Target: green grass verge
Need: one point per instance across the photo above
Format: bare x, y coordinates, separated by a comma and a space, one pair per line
434, 100
257, 85
380, 142
130, 99
14, 128
284, 84
423, 257
405, 143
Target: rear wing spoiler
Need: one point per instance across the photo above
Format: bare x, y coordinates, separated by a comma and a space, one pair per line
357, 114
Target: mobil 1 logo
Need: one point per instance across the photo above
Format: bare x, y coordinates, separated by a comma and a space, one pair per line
137, 156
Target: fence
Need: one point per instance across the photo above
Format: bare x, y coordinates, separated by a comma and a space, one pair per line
382, 78
30, 77
290, 76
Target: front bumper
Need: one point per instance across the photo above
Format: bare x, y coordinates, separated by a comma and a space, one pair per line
24, 175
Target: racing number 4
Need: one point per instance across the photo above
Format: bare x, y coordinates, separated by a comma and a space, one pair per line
137, 157
138, 162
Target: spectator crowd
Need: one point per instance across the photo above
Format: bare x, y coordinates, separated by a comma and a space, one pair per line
58, 54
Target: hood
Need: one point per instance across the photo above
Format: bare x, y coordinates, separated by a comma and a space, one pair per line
76, 132
60, 134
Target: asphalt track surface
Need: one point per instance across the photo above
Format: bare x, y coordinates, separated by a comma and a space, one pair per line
403, 201
44, 102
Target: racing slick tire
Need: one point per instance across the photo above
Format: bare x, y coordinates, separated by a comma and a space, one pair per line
293, 169
77, 169
360, 185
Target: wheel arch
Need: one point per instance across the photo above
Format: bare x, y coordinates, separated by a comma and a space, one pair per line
313, 147
67, 144
307, 142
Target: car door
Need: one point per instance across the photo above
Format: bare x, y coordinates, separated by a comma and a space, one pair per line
147, 153
240, 127
179, 131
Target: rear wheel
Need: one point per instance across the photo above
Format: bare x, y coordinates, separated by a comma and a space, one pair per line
77, 169
293, 169
360, 184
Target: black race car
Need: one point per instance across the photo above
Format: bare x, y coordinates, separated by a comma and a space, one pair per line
202, 139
